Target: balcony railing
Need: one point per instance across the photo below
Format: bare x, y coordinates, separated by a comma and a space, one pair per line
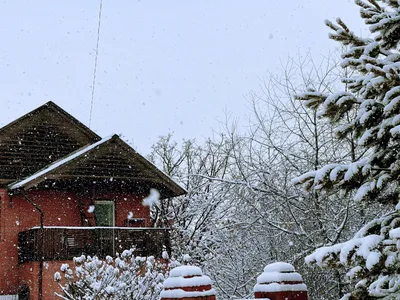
64, 243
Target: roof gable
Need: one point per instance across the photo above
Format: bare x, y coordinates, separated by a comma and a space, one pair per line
39, 138
110, 163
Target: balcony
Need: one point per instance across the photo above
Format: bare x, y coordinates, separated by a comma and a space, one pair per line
64, 243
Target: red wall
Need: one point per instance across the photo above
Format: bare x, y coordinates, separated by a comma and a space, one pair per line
29, 273
128, 203
284, 295
60, 209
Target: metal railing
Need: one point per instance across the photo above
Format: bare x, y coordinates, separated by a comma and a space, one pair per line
64, 243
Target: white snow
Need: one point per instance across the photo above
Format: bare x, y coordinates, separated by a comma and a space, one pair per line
152, 199
382, 180
394, 103
355, 167
323, 172
372, 259
183, 271
364, 190
279, 267
57, 276
109, 289
186, 258
395, 131
363, 247
276, 287
268, 277
178, 293
165, 255
335, 172
274, 277
392, 93
333, 176
366, 135
353, 272
395, 233
178, 282
338, 98
303, 177
64, 267
185, 277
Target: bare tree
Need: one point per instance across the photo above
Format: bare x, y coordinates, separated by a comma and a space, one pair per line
242, 210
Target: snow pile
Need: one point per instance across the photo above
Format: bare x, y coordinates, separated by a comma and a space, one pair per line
279, 267
186, 271
279, 277
187, 282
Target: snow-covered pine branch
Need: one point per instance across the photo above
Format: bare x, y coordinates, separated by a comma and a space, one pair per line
373, 96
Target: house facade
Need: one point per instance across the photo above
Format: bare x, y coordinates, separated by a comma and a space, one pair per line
64, 191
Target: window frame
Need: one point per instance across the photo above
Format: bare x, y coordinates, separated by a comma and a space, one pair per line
104, 201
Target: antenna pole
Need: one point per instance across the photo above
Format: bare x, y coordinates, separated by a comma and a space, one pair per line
95, 63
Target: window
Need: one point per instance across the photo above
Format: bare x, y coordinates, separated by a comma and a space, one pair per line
104, 213
135, 222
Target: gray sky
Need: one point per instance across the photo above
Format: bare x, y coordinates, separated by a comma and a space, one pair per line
163, 66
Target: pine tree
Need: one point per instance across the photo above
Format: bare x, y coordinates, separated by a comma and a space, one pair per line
372, 257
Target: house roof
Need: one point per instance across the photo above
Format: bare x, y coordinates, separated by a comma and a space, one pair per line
107, 163
43, 173
54, 109
38, 138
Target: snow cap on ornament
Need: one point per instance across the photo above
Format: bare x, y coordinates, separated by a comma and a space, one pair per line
187, 283
279, 281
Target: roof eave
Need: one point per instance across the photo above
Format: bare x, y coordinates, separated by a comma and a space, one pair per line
49, 170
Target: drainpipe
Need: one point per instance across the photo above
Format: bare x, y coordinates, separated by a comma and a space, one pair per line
37, 207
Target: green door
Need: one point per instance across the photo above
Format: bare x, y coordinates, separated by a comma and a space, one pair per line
104, 213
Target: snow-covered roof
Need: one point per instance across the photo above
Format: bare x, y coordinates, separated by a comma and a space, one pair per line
56, 164
47, 147
102, 162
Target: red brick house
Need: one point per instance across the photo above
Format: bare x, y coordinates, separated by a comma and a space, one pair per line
65, 191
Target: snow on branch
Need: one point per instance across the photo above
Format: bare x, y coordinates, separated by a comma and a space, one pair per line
371, 252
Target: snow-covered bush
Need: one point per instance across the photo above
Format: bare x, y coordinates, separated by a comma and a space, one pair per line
125, 277
373, 95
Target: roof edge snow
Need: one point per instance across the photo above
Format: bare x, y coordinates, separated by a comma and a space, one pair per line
58, 163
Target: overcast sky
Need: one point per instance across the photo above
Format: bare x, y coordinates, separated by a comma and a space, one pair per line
163, 66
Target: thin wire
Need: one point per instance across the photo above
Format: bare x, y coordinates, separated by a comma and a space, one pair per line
95, 63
